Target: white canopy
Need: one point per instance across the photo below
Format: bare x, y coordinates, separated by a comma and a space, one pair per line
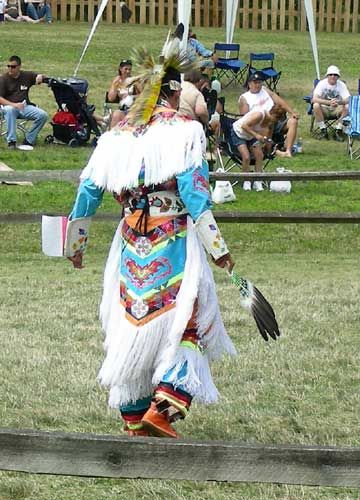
184, 14
231, 12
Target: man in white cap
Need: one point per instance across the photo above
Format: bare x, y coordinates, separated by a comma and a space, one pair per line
330, 99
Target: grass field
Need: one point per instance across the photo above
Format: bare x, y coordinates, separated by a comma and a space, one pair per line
304, 389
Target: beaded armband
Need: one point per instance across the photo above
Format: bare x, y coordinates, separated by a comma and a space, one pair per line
210, 235
76, 236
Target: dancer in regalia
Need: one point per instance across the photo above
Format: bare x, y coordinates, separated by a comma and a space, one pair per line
159, 309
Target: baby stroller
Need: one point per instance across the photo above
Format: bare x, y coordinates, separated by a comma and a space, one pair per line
74, 121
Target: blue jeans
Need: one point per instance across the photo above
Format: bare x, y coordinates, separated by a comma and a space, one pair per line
32, 113
39, 12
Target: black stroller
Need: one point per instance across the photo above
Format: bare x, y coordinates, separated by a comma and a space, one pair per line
74, 121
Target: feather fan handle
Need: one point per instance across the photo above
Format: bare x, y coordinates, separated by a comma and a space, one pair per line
253, 300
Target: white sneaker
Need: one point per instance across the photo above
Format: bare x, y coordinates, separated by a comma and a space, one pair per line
258, 186
247, 186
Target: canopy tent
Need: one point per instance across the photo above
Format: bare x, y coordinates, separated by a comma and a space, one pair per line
184, 15
90, 35
231, 11
310, 20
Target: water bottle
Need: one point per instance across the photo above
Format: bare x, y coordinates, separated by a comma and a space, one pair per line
299, 146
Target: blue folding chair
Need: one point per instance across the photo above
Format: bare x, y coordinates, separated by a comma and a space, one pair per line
271, 75
229, 65
353, 128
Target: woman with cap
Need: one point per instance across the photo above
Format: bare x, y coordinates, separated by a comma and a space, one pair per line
159, 309
248, 135
330, 100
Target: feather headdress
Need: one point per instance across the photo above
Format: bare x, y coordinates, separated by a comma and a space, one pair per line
151, 74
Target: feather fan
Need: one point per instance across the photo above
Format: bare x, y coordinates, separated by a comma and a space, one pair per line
253, 301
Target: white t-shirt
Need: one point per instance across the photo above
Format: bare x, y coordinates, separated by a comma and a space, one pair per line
3, 4
324, 90
261, 100
237, 126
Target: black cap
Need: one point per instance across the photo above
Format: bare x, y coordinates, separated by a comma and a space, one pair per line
257, 75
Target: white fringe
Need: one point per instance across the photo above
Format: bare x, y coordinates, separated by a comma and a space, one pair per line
116, 162
138, 357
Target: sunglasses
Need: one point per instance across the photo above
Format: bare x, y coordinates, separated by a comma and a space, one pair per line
332, 74
12, 66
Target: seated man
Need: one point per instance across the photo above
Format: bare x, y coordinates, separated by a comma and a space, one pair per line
262, 98
38, 10
14, 99
330, 100
192, 101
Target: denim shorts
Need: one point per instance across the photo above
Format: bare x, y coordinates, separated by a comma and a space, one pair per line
238, 141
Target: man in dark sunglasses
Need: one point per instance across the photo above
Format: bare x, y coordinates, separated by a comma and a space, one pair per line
15, 103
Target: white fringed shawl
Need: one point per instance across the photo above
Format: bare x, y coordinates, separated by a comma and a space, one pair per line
120, 154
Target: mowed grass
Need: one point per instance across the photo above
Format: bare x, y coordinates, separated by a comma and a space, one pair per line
303, 389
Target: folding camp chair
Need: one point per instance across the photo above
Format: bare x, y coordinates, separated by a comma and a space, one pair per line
229, 66
329, 121
353, 128
270, 74
20, 125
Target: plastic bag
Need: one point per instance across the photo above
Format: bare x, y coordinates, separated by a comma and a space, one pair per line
281, 186
223, 191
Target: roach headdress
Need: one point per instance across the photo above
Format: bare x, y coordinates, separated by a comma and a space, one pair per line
152, 74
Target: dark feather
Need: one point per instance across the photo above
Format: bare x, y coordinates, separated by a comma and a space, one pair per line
179, 31
253, 300
264, 316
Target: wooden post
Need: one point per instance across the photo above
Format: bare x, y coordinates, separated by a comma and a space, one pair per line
338, 16
264, 15
355, 16
329, 15
206, 18
63, 10
131, 5
197, 7
161, 13
73, 10
274, 14
255, 15
321, 15
246, 15
143, 11
152, 10
347, 16
282, 14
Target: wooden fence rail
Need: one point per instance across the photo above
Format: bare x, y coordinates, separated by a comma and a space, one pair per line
73, 176
221, 216
228, 216
272, 15
123, 457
